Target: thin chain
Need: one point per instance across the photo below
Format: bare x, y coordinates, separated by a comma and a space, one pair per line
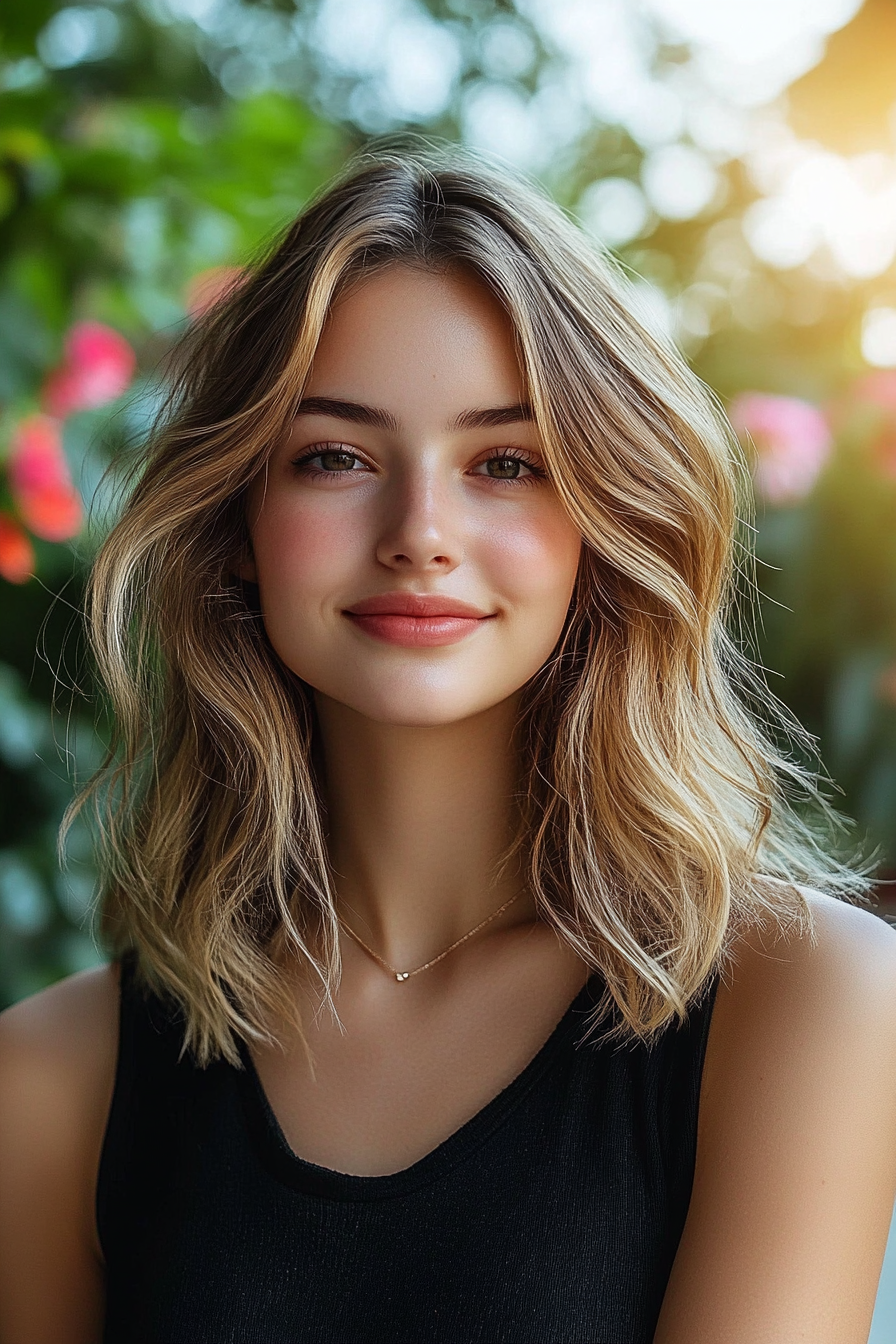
401, 976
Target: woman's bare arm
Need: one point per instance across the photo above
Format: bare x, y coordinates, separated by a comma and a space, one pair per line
57, 1066
796, 1153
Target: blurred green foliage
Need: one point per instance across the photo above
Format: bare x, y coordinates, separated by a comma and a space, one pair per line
156, 153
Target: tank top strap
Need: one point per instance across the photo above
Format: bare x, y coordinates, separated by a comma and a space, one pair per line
680, 1053
150, 1037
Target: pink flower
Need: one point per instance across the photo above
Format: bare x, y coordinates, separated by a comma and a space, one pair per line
792, 441
40, 481
878, 390
98, 365
16, 551
209, 287
884, 451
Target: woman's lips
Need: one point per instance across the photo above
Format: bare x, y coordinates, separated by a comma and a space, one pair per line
417, 632
416, 621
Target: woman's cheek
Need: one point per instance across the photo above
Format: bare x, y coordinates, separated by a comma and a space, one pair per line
306, 547
535, 558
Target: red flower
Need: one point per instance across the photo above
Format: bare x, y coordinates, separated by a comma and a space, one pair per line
98, 365
40, 481
16, 551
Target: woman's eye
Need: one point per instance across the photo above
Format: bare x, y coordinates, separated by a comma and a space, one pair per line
333, 461
336, 461
506, 467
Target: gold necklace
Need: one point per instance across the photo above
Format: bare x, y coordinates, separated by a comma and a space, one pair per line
401, 976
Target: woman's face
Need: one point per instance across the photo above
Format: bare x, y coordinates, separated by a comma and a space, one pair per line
413, 560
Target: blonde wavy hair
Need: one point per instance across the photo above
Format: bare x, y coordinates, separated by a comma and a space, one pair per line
656, 818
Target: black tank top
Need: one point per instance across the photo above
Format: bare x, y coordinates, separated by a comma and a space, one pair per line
551, 1217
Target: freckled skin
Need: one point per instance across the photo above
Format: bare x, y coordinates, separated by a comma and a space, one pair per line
417, 513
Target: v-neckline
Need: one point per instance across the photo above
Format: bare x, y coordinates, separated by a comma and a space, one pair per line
283, 1163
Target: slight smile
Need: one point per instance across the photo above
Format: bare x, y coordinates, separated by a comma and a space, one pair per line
416, 621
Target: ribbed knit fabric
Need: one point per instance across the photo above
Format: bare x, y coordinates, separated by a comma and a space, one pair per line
551, 1217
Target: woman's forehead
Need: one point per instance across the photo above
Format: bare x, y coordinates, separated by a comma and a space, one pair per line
410, 340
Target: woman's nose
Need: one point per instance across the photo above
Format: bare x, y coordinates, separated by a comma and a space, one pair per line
420, 527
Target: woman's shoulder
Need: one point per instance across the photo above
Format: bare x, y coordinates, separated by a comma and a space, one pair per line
816, 988
796, 1166
842, 950
58, 1051
68, 1031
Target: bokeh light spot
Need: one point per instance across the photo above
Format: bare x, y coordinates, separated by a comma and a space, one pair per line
879, 337
614, 210
78, 33
679, 181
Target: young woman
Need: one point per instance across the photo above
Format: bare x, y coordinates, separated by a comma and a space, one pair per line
444, 867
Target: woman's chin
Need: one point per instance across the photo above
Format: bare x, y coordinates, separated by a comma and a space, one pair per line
425, 708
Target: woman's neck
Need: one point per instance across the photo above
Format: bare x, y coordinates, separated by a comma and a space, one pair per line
419, 819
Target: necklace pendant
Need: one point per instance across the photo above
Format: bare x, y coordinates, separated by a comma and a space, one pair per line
402, 975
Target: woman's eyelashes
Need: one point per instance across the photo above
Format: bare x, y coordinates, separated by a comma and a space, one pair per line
509, 466
335, 459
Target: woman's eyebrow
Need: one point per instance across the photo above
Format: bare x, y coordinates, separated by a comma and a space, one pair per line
359, 414
354, 411
493, 416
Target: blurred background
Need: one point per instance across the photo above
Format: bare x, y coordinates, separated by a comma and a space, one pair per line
739, 159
